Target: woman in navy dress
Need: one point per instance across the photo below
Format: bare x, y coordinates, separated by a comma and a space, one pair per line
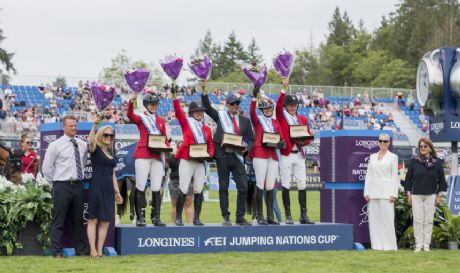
103, 191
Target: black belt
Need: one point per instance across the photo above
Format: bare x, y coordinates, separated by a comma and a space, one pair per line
71, 181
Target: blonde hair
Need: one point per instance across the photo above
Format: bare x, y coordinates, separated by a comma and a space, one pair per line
101, 144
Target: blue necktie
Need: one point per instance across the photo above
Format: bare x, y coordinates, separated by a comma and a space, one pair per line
77, 159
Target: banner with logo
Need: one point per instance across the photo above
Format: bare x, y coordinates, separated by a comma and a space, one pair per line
453, 194
344, 156
217, 238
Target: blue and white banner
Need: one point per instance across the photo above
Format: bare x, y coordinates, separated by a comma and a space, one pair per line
453, 194
197, 130
217, 238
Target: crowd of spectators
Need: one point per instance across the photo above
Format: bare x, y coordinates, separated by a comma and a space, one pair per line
322, 112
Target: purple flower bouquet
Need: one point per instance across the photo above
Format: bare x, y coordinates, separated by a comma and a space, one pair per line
171, 66
201, 67
103, 95
283, 63
256, 74
137, 79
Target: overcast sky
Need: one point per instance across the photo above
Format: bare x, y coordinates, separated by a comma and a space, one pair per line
79, 37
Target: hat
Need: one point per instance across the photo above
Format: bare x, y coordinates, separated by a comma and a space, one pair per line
231, 98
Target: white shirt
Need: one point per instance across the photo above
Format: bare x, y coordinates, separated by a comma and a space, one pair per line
382, 179
59, 163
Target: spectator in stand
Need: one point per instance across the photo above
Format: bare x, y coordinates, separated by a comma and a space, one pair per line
400, 100
425, 126
410, 102
2, 113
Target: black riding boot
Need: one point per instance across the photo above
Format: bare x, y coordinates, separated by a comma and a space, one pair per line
156, 201
139, 204
180, 208
197, 202
269, 197
152, 209
303, 208
132, 205
259, 205
287, 206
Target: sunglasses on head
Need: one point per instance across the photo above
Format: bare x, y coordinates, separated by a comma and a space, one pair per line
235, 103
383, 141
424, 146
108, 135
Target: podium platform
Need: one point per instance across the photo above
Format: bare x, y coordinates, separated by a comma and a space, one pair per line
217, 238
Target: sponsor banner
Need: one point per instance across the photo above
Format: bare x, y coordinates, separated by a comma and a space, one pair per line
445, 128
340, 204
217, 238
453, 194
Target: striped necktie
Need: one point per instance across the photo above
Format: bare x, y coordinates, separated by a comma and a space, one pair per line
77, 159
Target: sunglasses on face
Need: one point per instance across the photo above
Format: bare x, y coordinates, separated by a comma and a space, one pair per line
424, 146
28, 142
235, 103
108, 135
383, 141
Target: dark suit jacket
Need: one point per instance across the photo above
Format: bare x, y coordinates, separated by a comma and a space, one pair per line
245, 128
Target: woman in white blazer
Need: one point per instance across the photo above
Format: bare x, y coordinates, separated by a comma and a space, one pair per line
380, 191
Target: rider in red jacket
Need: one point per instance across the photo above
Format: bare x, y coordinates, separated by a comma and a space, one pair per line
147, 162
194, 131
292, 161
265, 159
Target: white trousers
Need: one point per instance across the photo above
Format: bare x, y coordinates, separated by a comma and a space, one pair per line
149, 168
266, 171
293, 165
423, 208
381, 214
189, 169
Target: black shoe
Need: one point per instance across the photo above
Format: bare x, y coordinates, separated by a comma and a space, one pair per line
287, 206
305, 220
242, 222
226, 221
289, 220
269, 199
139, 204
261, 221
180, 208
131, 216
197, 203
156, 201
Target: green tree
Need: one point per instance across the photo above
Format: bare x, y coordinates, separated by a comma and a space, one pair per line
305, 69
232, 55
5, 61
114, 74
341, 29
396, 74
205, 45
253, 52
60, 82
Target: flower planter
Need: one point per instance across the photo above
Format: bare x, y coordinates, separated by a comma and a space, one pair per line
452, 245
28, 239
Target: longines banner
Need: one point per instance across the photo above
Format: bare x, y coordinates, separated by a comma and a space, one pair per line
217, 238
344, 157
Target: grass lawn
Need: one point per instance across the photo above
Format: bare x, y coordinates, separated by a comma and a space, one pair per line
299, 261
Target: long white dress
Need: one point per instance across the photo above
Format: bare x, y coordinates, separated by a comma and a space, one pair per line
382, 182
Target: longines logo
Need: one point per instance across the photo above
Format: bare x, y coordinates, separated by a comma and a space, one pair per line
368, 144
437, 127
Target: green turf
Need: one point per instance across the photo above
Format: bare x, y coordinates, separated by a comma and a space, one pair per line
330, 261
296, 261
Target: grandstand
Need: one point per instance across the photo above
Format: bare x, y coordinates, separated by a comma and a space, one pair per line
324, 111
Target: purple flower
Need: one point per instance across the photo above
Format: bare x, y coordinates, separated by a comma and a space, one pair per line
201, 67
103, 95
171, 66
256, 74
137, 79
283, 63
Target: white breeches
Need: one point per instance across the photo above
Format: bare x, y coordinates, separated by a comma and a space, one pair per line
293, 167
149, 168
266, 171
189, 169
